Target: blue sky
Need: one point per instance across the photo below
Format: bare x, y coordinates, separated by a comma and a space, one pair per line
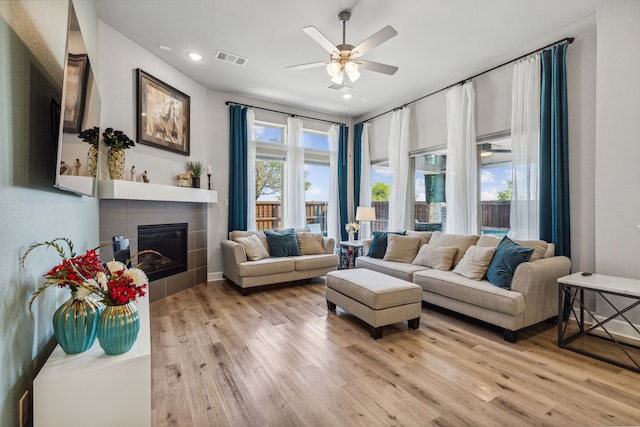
493, 181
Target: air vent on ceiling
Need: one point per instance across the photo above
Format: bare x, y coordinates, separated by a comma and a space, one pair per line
231, 58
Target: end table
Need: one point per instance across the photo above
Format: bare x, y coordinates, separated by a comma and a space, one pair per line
348, 251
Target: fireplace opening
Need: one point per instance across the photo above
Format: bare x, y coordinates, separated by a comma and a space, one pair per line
170, 240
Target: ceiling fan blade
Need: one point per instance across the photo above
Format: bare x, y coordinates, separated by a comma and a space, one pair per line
375, 40
319, 38
377, 67
306, 66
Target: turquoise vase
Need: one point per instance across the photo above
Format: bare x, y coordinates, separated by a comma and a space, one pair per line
118, 328
75, 323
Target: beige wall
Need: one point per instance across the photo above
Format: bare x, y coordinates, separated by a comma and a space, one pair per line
617, 134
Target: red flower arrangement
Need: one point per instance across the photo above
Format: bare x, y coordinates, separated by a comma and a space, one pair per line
114, 284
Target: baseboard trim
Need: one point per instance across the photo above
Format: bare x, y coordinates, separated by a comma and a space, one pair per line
215, 276
618, 327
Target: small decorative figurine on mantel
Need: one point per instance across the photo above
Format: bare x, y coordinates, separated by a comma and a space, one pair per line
145, 178
133, 176
184, 179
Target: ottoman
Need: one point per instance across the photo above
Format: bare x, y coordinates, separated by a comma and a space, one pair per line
375, 298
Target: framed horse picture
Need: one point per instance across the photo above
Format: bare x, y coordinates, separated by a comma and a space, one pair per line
163, 115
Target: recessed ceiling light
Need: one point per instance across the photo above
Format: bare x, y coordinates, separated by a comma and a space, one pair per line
364, 100
347, 96
167, 48
195, 56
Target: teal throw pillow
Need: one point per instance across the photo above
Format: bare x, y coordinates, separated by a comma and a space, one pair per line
507, 257
282, 243
379, 243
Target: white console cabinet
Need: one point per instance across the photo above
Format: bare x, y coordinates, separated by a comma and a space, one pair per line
95, 389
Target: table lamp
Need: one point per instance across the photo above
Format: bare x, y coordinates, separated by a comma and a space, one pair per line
365, 215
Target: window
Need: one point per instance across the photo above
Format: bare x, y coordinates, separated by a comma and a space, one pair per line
381, 181
494, 157
269, 133
317, 178
495, 186
268, 194
270, 161
430, 208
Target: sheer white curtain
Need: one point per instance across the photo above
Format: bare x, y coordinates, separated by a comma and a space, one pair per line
294, 212
462, 166
525, 148
399, 164
365, 168
333, 209
251, 170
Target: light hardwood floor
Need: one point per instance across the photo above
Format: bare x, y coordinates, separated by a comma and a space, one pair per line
278, 358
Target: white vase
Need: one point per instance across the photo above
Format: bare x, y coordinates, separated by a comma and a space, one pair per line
351, 236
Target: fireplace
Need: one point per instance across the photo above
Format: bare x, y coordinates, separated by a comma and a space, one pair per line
170, 241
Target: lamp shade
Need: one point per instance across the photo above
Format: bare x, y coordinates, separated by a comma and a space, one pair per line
365, 213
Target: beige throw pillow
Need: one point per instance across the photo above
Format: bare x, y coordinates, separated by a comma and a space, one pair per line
423, 235
475, 262
233, 235
253, 247
401, 248
460, 241
438, 257
310, 243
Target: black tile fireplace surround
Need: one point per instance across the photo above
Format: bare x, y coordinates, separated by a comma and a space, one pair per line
123, 217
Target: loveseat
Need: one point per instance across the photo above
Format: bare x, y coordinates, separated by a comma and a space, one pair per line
530, 296
249, 262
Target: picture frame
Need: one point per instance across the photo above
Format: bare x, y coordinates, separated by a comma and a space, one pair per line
163, 115
75, 91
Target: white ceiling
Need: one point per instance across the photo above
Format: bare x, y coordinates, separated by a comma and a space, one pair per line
439, 42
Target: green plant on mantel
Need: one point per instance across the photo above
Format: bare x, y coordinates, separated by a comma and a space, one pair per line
194, 166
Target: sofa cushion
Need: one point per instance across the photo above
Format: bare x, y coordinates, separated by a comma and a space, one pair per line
540, 247
310, 243
475, 262
507, 257
440, 257
233, 235
312, 262
424, 236
401, 270
253, 247
379, 243
266, 266
460, 241
401, 248
476, 292
282, 243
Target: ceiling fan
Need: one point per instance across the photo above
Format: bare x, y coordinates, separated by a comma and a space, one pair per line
345, 58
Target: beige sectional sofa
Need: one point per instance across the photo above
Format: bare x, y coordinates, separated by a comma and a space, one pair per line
532, 297
250, 274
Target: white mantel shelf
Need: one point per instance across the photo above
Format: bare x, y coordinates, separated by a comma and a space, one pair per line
127, 190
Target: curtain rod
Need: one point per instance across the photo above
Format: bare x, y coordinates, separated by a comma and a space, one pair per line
567, 39
282, 112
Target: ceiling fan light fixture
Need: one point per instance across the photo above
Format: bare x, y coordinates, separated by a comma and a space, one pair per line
333, 69
352, 71
338, 78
